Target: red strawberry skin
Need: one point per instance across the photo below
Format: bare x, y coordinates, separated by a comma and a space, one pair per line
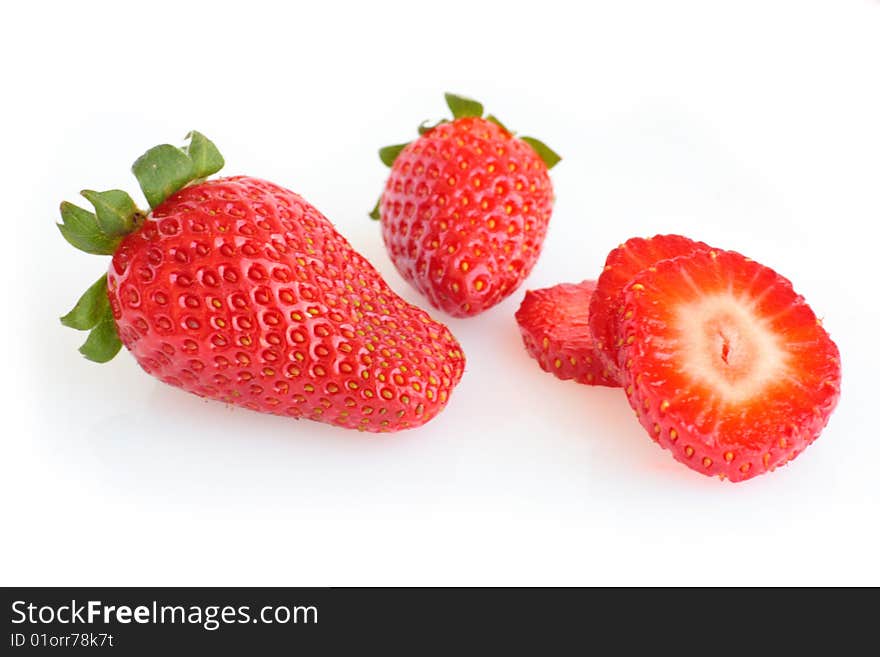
239, 290
621, 265
465, 212
554, 323
725, 365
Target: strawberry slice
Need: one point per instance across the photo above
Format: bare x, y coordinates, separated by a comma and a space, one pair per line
725, 365
621, 265
554, 323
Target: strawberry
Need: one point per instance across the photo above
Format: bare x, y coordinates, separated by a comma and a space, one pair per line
725, 365
239, 290
465, 208
554, 323
621, 265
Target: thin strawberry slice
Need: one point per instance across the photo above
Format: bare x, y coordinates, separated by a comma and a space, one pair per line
621, 265
554, 323
725, 365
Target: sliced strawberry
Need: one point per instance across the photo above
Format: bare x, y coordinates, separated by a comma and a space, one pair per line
554, 323
725, 365
621, 265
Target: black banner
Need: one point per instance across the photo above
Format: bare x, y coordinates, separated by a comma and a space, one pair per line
134, 621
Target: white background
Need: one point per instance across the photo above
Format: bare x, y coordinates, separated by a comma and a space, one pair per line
752, 125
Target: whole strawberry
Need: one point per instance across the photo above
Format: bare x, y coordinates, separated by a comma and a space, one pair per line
239, 290
465, 209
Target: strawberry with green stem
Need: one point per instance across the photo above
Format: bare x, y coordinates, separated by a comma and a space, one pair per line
465, 208
239, 290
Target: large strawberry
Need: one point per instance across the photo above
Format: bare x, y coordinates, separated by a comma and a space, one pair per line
724, 364
239, 290
555, 328
621, 265
465, 209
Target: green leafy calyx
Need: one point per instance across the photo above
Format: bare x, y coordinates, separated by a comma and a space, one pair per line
90, 308
550, 157
165, 169
92, 313
494, 119
115, 212
80, 228
427, 126
103, 342
374, 213
389, 153
462, 107
204, 155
